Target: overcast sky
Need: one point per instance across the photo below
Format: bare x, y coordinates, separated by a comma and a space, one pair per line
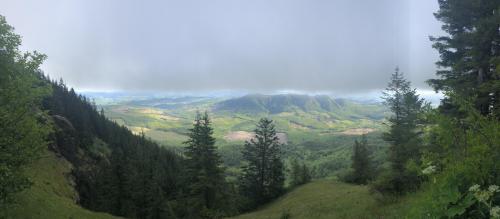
187, 45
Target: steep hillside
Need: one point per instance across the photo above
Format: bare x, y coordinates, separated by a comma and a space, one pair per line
52, 194
114, 171
327, 199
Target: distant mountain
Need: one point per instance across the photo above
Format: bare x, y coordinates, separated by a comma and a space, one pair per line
274, 104
257, 103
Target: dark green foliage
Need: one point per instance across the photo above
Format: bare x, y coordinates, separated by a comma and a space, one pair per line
262, 175
331, 156
24, 127
299, 173
404, 135
464, 152
203, 170
469, 53
285, 214
362, 169
463, 145
128, 175
462, 148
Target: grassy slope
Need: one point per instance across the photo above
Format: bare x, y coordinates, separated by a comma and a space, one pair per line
327, 199
51, 195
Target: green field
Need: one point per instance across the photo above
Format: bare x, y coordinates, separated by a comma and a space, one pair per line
327, 199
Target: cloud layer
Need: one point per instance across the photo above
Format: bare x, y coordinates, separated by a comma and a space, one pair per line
339, 45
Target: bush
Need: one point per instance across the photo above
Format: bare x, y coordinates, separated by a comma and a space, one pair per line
383, 183
346, 176
467, 152
285, 214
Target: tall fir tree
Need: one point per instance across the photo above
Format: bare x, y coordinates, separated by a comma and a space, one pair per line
204, 171
295, 170
361, 163
263, 173
470, 61
299, 173
404, 133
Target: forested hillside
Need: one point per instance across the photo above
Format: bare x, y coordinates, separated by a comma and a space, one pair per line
115, 171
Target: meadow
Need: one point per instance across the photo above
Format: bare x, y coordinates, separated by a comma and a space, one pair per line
328, 199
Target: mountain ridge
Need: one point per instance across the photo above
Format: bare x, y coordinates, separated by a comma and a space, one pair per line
274, 104
341, 108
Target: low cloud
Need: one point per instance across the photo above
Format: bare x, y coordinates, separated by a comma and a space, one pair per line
338, 45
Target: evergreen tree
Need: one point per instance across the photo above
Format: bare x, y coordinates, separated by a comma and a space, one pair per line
295, 170
23, 126
470, 61
262, 178
204, 171
299, 173
306, 174
404, 134
361, 163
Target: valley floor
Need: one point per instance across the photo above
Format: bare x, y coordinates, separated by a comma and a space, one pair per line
326, 199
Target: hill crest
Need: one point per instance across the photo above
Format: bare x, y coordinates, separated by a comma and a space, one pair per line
274, 104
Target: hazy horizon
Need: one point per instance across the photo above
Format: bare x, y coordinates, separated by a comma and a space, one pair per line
259, 46
373, 95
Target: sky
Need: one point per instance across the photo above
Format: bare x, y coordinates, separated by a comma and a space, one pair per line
346, 46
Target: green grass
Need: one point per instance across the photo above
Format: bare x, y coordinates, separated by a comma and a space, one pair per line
51, 195
327, 199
